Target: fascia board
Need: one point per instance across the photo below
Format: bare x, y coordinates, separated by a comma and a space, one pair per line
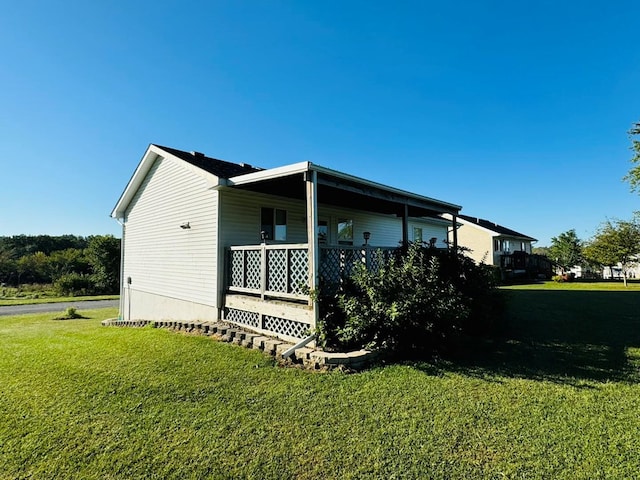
396, 191
268, 174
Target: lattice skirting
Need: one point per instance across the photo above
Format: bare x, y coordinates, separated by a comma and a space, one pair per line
267, 323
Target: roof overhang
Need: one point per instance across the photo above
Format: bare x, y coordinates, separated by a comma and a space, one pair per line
341, 189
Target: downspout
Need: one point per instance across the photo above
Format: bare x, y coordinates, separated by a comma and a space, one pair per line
287, 353
121, 306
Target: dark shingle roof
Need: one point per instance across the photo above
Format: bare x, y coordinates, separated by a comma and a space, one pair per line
494, 227
219, 168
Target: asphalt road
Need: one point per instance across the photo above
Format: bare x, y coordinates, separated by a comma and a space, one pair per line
56, 307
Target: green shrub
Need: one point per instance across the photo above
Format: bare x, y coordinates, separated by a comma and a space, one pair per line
69, 314
558, 278
418, 302
73, 284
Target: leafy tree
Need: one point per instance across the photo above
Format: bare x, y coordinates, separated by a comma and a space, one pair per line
8, 266
33, 268
103, 253
616, 242
64, 262
633, 177
566, 250
541, 251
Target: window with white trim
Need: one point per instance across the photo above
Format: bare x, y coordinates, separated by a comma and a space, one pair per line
273, 222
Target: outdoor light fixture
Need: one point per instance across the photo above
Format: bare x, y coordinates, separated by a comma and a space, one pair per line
367, 236
185, 226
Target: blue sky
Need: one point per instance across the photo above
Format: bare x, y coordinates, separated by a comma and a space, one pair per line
518, 111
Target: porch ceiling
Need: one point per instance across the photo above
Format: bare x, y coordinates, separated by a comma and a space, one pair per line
343, 193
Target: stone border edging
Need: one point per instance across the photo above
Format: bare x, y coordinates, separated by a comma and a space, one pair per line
307, 357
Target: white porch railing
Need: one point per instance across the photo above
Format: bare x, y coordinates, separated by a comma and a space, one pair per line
259, 273
279, 271
282, 271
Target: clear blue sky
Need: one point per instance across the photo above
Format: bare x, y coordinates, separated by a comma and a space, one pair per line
518, 111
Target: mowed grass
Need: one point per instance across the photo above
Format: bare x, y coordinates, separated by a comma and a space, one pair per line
617, 285
4, 301
556, 396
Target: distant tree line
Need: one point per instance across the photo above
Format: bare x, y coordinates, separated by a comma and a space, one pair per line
72, 264
615, 243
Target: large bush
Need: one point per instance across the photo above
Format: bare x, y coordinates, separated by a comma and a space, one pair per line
418, 302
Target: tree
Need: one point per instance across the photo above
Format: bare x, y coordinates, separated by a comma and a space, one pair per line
633, 177
103, 253
566, 250
541, 251
616, 242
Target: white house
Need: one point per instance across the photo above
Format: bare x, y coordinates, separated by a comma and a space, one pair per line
207, 239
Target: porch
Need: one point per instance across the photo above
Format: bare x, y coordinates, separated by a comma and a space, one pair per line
268, 286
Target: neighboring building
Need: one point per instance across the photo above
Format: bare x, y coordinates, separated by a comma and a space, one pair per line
492, 244
615, 272
207, 239
488, 242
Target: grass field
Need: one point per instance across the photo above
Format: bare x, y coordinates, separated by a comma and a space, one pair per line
29, 294
632, 285
30, 301
557, 395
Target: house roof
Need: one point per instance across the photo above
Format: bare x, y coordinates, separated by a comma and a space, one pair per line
212, 169
494, 227
335, 187
219, 168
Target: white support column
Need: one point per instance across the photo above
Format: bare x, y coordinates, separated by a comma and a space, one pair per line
454, 221
405, 226
311, 178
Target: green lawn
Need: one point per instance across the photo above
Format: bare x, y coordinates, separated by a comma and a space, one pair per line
30, 301
556, 396
633, 285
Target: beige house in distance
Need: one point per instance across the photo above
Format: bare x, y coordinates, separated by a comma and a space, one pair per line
488, 241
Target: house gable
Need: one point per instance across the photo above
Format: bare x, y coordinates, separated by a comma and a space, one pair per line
212, 170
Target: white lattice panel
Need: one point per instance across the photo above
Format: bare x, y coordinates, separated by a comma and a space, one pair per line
277, 265
299, 270
237, 268
253, 269
287, 327
242, 317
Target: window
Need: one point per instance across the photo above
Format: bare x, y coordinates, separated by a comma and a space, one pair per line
323, 232
501, 245
273, 222
345, 232
417, 234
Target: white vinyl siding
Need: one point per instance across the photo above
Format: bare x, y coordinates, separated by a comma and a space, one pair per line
240, 213
162, 258
241, 210
429, 230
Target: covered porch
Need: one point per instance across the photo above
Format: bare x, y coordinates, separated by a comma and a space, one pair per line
270, 286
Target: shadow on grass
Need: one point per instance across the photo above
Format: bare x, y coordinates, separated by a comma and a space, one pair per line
562, 336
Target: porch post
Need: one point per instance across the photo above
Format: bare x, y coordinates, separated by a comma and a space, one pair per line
454, 220
405, 226
311, 178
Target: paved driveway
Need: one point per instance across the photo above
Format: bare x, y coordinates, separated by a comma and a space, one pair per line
56, 307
